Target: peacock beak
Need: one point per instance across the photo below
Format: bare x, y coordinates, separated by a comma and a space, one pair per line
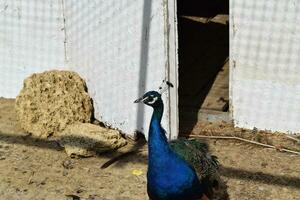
139, 100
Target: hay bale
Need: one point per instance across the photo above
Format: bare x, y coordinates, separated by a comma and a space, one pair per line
51, 100
84, 139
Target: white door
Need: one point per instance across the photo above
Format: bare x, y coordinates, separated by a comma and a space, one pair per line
122, 49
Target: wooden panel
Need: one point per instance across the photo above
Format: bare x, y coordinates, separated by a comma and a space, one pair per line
218, 96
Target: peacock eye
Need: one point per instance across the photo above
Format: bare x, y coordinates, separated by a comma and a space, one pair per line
151, 99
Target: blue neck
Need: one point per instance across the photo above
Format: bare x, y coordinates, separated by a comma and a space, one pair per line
158, 146
169, 176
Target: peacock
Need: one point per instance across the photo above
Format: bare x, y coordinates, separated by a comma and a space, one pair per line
180, 170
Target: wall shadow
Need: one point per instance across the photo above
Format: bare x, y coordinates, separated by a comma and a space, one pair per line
144, 58
203, 50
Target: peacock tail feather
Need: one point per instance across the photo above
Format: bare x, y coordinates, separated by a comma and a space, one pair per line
196, 153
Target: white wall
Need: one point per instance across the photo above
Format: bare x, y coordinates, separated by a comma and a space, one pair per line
119, 47
120, 60
31, 40
265, 64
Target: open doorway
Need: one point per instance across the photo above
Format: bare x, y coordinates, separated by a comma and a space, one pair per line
203, 38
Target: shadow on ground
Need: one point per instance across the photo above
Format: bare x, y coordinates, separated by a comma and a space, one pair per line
54, 144
261, 177
119, 159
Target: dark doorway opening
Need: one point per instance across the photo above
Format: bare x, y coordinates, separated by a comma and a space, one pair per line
203, 38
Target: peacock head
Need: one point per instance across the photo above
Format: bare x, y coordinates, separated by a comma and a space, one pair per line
153, 98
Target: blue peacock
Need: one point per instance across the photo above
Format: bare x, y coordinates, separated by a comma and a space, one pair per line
180, 170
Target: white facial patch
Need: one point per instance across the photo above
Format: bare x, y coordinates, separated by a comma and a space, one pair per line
144, 99
153, 101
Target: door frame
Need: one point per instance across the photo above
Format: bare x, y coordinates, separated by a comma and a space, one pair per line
172, 65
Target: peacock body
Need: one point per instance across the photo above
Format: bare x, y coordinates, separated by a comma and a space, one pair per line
180, 170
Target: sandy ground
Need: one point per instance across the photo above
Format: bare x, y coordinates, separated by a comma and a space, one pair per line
37, 169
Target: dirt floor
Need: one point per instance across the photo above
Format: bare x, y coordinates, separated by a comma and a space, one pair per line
38, 169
